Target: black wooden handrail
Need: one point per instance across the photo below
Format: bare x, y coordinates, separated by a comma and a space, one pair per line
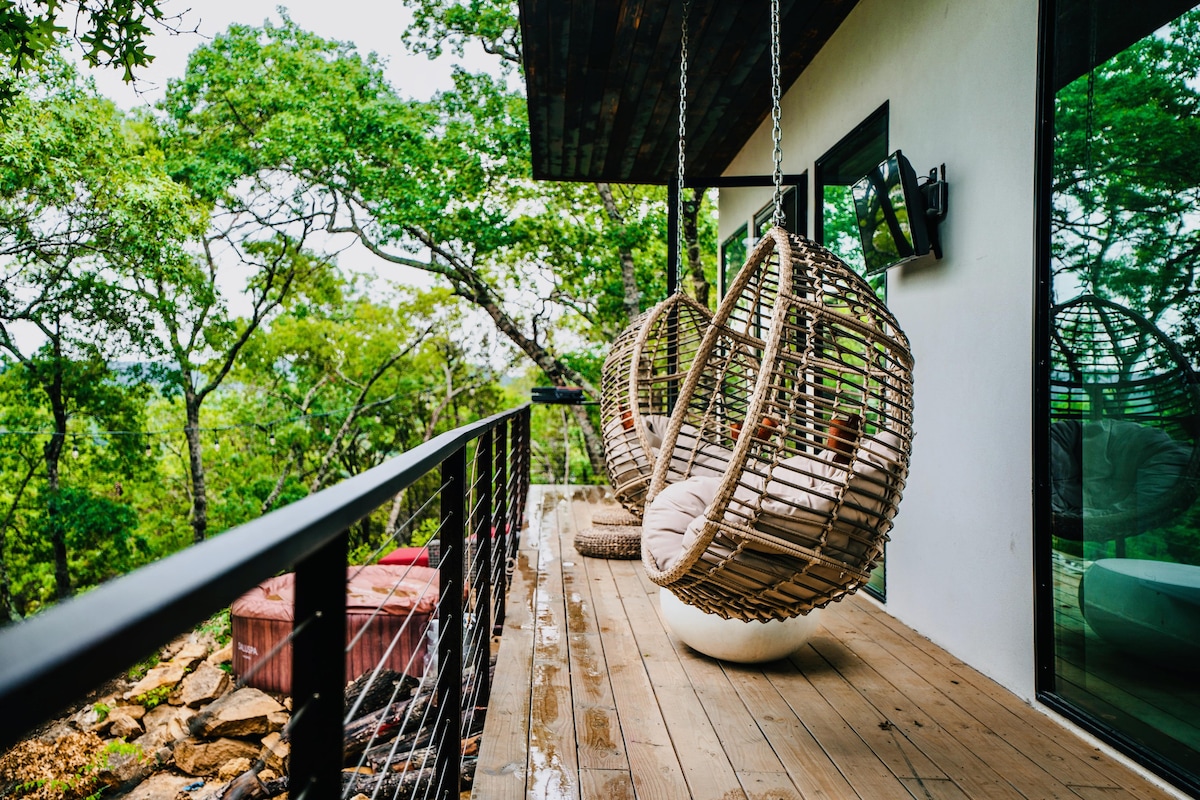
56, 657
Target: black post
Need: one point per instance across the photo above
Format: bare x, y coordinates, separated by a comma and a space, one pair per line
504, 549
319, 672
482, 590
450, 625
524, 458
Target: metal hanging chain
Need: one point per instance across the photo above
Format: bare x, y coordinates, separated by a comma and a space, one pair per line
681, 242
776, 133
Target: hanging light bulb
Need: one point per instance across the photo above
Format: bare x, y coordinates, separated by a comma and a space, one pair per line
272, 440
149, 450
216, 444
326, 428
74, 450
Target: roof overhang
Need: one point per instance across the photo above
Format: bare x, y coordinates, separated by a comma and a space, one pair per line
603, 81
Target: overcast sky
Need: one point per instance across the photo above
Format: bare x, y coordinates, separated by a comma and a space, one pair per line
371, 25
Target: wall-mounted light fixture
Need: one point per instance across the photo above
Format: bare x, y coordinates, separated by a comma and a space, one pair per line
898, 216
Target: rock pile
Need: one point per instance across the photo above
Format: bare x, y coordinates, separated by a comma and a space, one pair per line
182, 731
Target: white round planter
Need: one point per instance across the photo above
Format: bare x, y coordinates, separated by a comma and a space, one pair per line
733, 639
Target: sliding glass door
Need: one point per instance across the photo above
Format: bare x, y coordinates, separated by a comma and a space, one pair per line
1120, 523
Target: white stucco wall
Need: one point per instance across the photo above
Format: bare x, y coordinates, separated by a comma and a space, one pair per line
960, 78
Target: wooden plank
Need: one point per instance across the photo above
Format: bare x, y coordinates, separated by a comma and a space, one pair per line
504, 748
741, 738
598, 729
652, 759
898, 710
841, 745
790, 730
934, 789
780, 736
925, 714
553, 760
868, 709
606, 784
769, 786
835, 684
1074, 761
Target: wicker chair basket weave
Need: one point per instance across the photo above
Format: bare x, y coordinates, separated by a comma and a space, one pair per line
609, 541
616, 517
644, 370
1108, 363
806, 361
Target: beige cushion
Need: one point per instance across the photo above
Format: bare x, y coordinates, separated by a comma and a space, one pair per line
668, 517
707, 460
800, 496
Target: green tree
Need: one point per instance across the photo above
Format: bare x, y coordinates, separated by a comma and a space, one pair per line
1126, 182
79, 207
110, 33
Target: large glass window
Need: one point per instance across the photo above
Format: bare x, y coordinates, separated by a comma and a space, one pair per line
836, 226
1123, 395
736, 248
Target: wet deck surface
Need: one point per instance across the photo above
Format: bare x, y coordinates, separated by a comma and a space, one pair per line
593, 698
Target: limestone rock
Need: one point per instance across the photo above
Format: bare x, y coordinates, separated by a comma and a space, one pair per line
198, 757
120, 766
190, 654
123, 721
277, 720
90, 719
164, 724
55, 732
231, 769
205, 685
163, 786
222, 656
245, 712
275, 752
163, 675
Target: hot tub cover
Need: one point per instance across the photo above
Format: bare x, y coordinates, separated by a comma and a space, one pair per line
416, 590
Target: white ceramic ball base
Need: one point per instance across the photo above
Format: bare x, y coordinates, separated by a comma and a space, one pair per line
732, 639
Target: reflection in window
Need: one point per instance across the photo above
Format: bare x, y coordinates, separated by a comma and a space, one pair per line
733, 254
837, 224
1124, 400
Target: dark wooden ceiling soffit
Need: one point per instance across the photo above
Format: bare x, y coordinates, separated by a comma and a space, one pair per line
603, 81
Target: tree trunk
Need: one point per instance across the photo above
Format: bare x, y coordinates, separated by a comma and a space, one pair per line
691, 239
53, 453
8, 608
633, 295
196, 462
591, 440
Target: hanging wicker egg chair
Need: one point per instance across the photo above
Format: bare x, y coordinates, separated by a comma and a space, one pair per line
1125, 417
643, 372
789, 443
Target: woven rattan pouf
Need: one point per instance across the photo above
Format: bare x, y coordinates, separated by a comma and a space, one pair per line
615, 516
610, 541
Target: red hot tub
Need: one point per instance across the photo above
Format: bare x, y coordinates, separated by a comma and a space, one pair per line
262, 618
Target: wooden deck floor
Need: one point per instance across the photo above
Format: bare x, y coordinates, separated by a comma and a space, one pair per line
594, 699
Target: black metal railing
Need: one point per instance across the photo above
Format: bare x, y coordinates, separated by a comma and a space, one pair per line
57, 657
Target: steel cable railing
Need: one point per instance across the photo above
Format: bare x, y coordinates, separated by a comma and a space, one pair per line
440, 695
